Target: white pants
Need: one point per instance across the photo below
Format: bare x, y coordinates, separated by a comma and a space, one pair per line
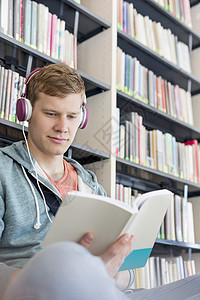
67, 271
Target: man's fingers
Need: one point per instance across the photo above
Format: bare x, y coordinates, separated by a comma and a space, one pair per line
115, 248
87, 240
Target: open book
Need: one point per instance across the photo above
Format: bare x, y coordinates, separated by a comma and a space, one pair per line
108, 219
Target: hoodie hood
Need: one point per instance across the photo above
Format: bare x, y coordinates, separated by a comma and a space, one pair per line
19, 153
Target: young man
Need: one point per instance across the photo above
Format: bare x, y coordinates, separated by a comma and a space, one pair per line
56, 95
64, 270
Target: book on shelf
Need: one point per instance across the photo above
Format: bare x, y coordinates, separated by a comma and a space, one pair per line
35, 26
85, 212
154, 36
137, 81
195, 54
178, 8
195, 13
163, 270
158, 150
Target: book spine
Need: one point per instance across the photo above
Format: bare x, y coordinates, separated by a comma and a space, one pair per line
53, 36
22, 12
2, 111
27, 23
34, 13
49, 34
8, 95
17, 20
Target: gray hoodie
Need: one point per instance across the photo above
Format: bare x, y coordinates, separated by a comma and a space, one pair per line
21, 206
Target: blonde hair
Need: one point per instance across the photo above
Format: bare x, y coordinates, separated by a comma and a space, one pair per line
56, 80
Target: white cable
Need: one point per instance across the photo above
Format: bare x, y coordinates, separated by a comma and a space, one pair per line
38, 224
36, 174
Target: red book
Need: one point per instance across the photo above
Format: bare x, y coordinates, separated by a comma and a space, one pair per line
194, 143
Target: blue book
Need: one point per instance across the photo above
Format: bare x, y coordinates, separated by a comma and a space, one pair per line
108, 219
125, 73
131, 76
125, 16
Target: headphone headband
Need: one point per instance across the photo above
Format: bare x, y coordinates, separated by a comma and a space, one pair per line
24, 107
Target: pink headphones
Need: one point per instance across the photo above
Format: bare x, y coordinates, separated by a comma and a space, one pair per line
24, 107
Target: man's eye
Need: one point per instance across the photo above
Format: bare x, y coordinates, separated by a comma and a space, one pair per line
50, 114
71, 117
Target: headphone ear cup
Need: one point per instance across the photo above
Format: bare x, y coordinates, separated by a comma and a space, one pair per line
84, 117
23, 109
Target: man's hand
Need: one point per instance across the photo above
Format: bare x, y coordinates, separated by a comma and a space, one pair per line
114, 256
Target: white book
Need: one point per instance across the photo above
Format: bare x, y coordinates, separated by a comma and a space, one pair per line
58, 37
167, 271
178, 221
158, 271
172, 220
147, 276
163, 271
131, 31
186, 58
192, 262
80, 213
190, 119
8, 95
190, 224
160, 34
40, 27
122, 142
61, 41
4, 16
71, 47
184, 214
27, 23
66, 47
45, 28
152, 269
172, 46
180, 258
149, 36
140, 29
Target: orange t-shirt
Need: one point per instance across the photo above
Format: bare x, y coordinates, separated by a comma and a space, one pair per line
69, 181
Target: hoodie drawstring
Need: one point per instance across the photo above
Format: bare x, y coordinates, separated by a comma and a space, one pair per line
37, 224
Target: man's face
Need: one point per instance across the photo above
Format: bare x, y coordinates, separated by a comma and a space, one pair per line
53, 124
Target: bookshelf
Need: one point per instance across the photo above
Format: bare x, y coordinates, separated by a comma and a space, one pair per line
94, 23
129, 173
24, 58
